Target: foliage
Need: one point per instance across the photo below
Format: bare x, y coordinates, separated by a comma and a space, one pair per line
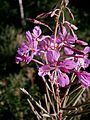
8, 45
13, 103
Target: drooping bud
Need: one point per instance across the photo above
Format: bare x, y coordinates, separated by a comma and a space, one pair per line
80, 42
65, 2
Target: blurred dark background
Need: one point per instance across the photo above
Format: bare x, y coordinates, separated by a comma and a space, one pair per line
13, 104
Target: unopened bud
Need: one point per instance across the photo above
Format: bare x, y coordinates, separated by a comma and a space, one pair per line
80, 42
66, 2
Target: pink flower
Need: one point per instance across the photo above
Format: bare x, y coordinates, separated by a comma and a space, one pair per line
59, 57
57, 69
27, 49
23, 54
66, 40
66, 37
82, 60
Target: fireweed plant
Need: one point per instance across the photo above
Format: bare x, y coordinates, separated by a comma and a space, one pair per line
61, 61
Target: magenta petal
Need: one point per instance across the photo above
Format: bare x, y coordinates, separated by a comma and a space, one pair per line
44, 70
53, 56
28, 59
86, 63
84, 78
63, 79
58, 39
23, 49
29, 37
18, 58
68, 51
86, 50
68, 64
37, 31
43, 37
70, 39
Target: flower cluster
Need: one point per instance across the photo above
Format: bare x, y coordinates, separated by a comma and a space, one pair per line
59, 55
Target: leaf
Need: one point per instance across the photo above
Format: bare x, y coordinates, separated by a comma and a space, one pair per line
75, 97
33, 109
79, 113
32, 99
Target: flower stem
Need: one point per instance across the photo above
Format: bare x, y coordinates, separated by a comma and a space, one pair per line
57, 23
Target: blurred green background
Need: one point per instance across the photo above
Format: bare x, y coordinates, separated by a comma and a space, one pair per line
13, 104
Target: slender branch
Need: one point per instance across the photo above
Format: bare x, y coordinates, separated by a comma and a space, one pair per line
22, 12
57, 23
